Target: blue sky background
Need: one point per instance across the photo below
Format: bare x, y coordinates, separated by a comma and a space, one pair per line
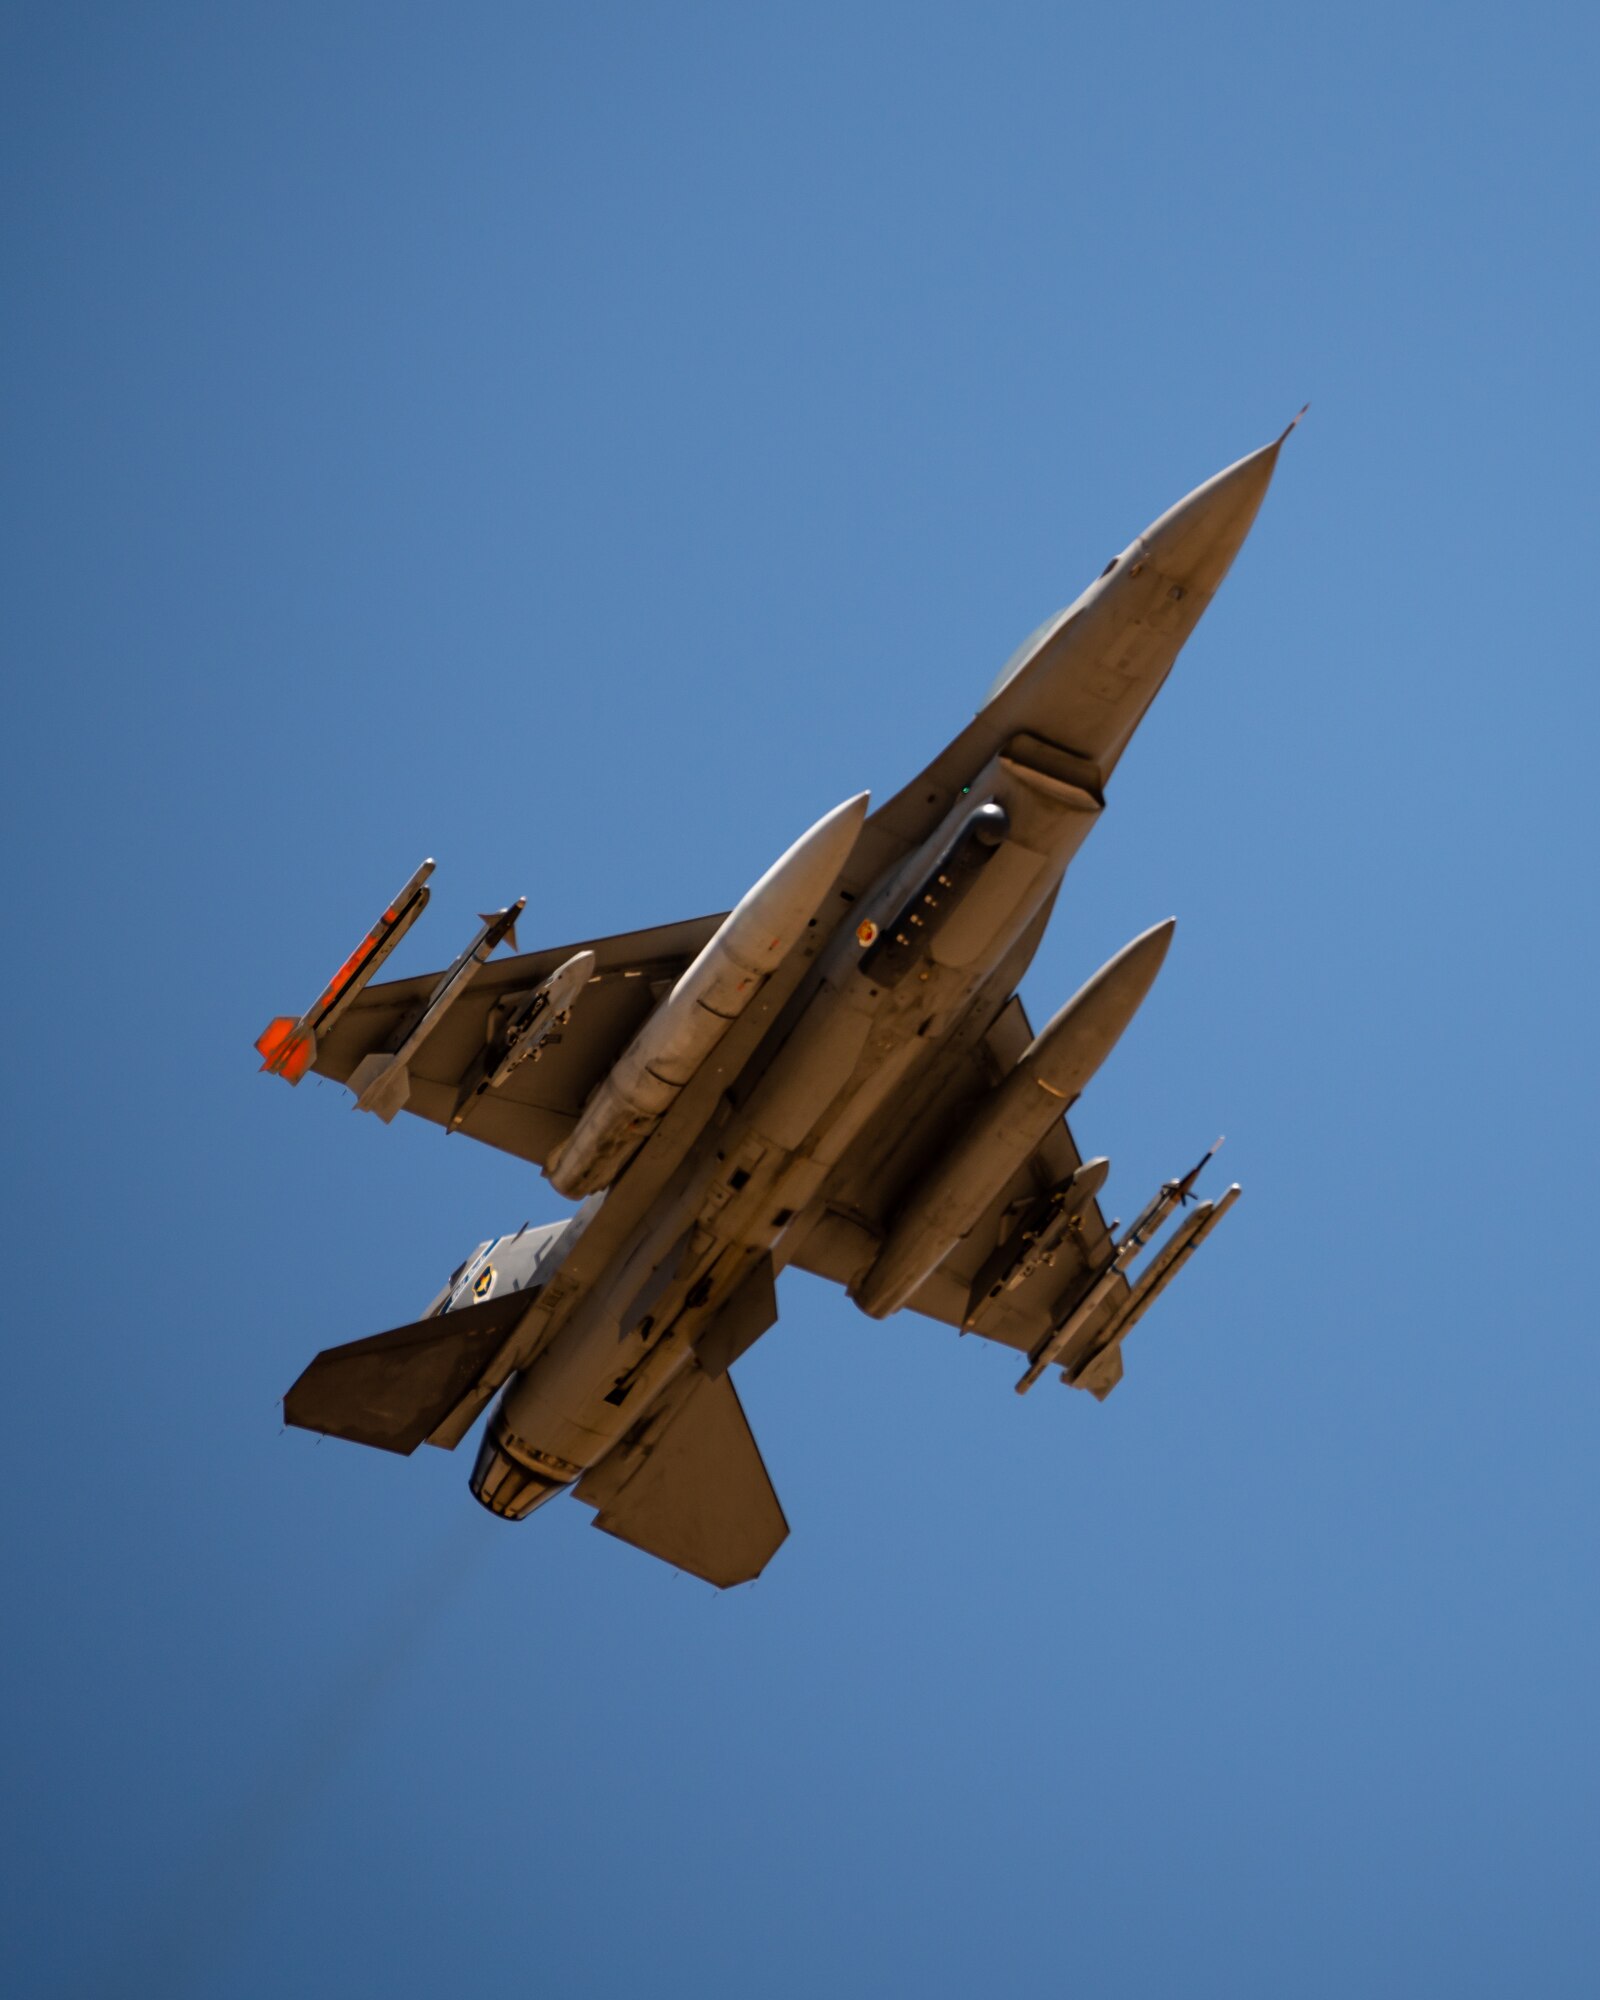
584, 444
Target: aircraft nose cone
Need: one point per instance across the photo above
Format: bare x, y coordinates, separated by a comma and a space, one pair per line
1196, 541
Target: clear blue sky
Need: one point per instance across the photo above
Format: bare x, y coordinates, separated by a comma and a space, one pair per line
584, 444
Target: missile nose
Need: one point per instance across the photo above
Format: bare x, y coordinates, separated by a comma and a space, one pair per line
1196, 541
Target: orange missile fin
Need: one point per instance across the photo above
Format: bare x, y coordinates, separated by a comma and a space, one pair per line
273, 1039
286, 1050
298, 1057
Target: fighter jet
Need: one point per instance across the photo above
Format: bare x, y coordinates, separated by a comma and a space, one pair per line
837, 1074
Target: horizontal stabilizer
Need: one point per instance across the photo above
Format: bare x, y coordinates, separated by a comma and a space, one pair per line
695, 1492
394, 1388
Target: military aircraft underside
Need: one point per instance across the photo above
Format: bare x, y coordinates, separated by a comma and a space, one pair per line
837, 1074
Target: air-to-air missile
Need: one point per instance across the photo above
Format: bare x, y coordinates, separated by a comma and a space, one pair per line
1170, 1195
663, 1056
532, 1018
288, 1046
382, 1081
1095, 1372
1009, 1125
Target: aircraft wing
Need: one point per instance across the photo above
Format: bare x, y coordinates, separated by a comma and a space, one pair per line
888, 1160
539, 1102
688, 1485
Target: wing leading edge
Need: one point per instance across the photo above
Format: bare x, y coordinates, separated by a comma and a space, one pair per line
539, 1102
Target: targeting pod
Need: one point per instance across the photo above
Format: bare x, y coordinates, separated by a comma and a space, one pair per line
534, 1017
1036, 1241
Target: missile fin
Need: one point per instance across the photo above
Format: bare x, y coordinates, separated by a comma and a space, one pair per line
509, 931
298, 1057
287, 1047
381, 1085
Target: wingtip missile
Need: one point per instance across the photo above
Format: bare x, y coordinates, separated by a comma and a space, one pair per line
288, 1044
